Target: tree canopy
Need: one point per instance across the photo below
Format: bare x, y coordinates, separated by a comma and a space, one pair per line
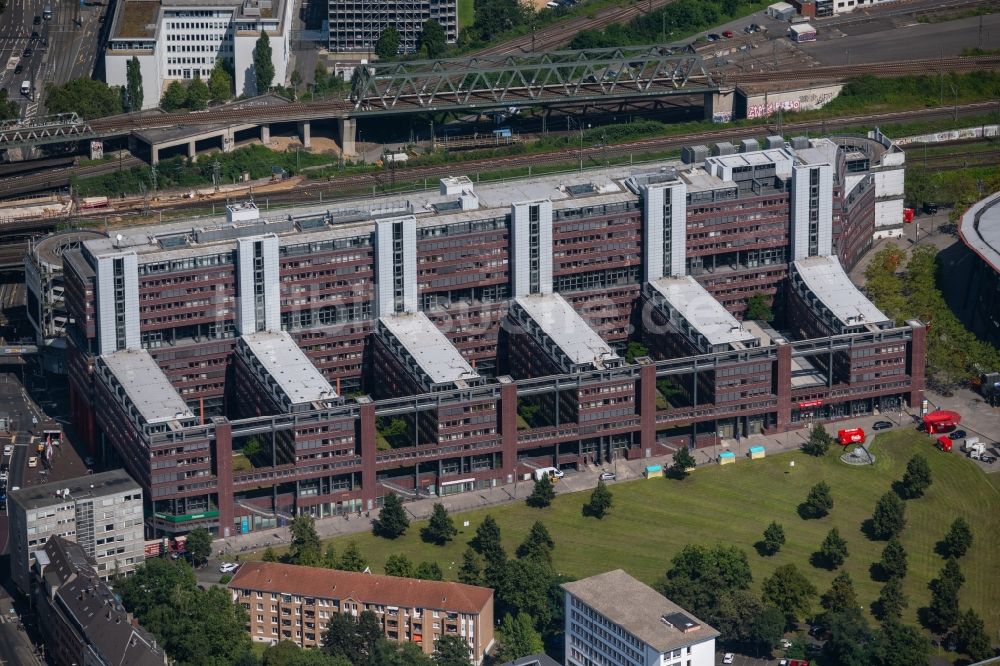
889, 517
199, 545
88, 97
819, 441
958, 540
133, 74
263, 65
894, 559
542, 494
433, 40
600, 501
392, 520
790, 592
683, 462
537, 545
917, 478
774, 538
387, 45
699, 574
819, 501
517, 638
440, 529
305, 548
833, 550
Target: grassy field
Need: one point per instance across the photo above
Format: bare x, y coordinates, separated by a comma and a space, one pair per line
652, 519
466, 14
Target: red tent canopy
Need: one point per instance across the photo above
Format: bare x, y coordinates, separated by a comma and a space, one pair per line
942, 418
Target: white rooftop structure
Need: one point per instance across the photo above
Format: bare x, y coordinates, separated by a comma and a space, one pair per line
696, 313
146, 387
293, 374
551, 317
980, 229
728, 166
823, 282
431, 356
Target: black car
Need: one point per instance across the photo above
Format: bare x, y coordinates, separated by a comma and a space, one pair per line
930, 207
881, 425
957, 434
34, 34
37, 20
27, 52
19, 68
4, 467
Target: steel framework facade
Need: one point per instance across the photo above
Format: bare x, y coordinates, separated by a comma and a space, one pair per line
355, 25
531, 78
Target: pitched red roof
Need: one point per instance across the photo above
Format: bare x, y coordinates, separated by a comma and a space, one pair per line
361, 587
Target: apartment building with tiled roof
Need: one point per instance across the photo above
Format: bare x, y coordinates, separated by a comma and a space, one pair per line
294, 603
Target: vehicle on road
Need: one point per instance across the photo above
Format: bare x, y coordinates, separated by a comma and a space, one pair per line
228, 567
34, 34
881, 425
608, 476
957, 434
930, 207
944, 444
19, 68
47, 13
728, 658
713, 37
785, 643
102, 18
989, 460
728, 34
37, 20
8, 449
4, 468
26, 53
33, 461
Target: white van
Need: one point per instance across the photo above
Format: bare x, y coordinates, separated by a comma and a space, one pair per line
548, 472
26, 88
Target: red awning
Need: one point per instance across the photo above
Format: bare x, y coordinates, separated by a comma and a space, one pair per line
943, 416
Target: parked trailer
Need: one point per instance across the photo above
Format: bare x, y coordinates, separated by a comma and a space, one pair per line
851, 436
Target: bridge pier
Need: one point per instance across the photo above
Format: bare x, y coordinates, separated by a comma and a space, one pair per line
265, 134
348, 131
154, 155
192, 150
228, 141
96, 149
305, 131
719, 105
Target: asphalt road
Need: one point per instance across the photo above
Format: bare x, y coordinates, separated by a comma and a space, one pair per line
63, 50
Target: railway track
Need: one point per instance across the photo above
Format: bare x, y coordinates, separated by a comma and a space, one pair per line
58, 178
927, 66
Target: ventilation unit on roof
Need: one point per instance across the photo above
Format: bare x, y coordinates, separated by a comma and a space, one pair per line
680, 622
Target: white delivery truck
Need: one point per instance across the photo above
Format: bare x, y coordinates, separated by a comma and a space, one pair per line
548, 473
26, 88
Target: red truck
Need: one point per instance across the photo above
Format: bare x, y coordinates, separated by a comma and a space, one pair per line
944, 443
851, 436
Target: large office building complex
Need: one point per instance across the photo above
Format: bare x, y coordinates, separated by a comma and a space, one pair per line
614, 620
181, 40
101, 512
286, 602
251, 368
355, 25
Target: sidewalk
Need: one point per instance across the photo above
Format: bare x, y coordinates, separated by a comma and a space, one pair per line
574, 481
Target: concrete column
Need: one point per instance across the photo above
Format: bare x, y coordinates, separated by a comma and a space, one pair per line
192, 151
348, 131
96, 150
224, 474
721, 103
265, 134
507, 422
369, 449
917, 358
228, 141
154, 155
646, 404
304, 134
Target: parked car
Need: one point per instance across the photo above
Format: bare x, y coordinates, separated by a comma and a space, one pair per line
728, 34
8, 449
19, 68
228, 567
608, 476
33, 461
37, 20
728, 658
34, 34
713, 37
989, 460
930, 207
957, 434
4, 467
26, 53
881, 425
785, 643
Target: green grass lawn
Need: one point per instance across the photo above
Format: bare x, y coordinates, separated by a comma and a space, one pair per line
653, 519
466, 14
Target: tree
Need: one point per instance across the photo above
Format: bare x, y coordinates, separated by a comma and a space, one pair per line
174, 97
517, 638
471, 571
537, 545
893, 562
199, 545
902, 645
263, 65
440, 529
790, 592
494, 17
889, 517
891, 600
352, 560
841, 595
133, 74
399, 565
917, 478
818, 502
942, 612
699, 576
88, 97
971, 637
451, 650
198, 94
819, 441
305, 547
392, 520
959, 538
220, 85
429, 571
269, 555
758, 308
433, 40
542, 494
766, 629
774, 538
683, 461
287, 653
600, 501
295, 79
330, 557
635, 350
523, 586
851, 641
355, 639
8, 110
833, 551
487, 543
387, 45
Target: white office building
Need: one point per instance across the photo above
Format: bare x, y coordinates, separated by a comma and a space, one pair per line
614, 620
178, 40
101, 512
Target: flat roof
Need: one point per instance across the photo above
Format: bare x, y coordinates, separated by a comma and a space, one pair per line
291, 369
92, 485
754, 158
146, 387
702, 312
826, 279
639, 610
138, 19
560, 322
429, 347
980, 230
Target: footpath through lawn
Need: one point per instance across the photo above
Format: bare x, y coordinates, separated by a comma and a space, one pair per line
651, 520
